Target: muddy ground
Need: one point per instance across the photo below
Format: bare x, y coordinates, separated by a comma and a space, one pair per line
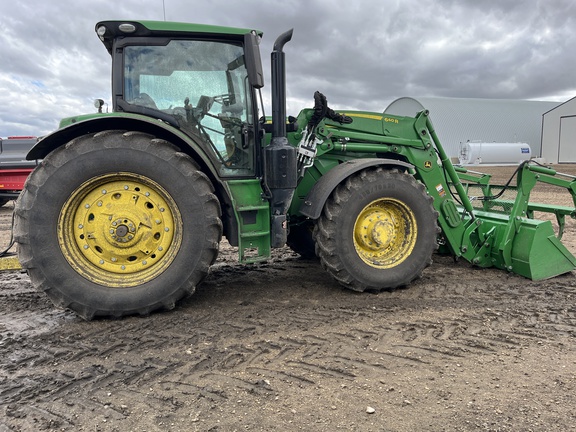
281, 347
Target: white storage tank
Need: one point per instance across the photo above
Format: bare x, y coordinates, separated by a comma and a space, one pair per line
476, 153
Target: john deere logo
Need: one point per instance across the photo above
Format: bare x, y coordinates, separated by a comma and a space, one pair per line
427, 164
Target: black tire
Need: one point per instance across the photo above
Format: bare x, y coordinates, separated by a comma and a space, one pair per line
117, 223
377, 230
301, 241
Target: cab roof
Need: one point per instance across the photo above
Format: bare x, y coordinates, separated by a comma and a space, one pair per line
107, 31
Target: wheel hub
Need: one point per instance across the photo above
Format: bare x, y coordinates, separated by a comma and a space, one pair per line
122, 230
377, 231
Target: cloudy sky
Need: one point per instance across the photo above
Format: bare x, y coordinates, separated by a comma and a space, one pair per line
362, 54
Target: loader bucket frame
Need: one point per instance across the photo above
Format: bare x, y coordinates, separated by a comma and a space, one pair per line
504, 233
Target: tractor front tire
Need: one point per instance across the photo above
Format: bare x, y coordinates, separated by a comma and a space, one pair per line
377, 230
117, 223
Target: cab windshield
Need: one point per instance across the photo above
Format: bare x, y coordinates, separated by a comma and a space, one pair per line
204, 86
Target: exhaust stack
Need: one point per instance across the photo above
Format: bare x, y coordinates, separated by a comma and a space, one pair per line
281, 175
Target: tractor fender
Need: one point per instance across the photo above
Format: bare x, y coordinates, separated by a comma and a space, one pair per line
314, 202
121, 121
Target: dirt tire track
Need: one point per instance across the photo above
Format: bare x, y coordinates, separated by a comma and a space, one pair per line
280, 346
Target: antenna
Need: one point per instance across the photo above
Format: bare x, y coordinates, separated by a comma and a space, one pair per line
164, 9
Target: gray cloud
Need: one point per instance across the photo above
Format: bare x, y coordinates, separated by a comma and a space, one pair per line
361, 54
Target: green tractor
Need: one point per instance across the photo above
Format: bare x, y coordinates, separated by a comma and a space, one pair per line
126, 212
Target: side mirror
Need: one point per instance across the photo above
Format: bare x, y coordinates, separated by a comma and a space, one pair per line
253, 60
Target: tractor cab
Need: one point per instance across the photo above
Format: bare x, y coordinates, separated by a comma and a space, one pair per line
198, 82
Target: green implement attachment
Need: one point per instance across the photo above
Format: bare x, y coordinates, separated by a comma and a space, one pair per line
505, 233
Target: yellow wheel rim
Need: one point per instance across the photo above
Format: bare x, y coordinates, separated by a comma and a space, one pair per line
120, 230
385, 233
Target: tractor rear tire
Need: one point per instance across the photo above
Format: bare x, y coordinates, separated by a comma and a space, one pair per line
377, 230
117, 223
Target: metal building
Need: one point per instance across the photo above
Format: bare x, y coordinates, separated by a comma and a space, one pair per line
559, 133
458, 120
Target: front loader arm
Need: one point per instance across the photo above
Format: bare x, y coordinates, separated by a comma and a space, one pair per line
484, 236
